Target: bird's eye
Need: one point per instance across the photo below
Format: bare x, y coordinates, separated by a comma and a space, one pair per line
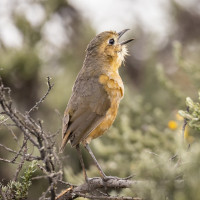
111, 41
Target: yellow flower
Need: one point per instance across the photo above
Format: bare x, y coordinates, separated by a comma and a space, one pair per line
172, 125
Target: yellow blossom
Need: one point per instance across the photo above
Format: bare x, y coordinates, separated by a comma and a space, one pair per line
172, 125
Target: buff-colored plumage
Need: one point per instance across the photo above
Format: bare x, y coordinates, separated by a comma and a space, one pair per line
97, 91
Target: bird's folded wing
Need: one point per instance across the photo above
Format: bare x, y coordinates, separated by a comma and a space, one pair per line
88, 106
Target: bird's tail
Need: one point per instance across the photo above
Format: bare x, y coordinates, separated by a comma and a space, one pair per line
62, 147
64, 141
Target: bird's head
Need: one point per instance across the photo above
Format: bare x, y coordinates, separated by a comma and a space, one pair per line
107, 46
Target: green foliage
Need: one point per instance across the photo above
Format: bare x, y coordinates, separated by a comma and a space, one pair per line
190, 66
193, 114
2, 118
19, 189
164, 177
167, 84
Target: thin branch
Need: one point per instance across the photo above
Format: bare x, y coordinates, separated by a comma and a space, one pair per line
8, 149
3, 121
184, 124
29, 157
33, 132
8, 161
22, 161
20, 150
50, 86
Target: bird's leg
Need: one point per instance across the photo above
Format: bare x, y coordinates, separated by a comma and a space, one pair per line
95, 161
105, 178
82, 163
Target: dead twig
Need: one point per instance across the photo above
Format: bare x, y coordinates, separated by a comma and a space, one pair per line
34, 134
50, 86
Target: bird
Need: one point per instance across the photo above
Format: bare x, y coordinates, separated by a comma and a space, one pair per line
96, 94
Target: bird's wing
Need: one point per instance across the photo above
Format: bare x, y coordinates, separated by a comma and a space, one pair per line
85, 111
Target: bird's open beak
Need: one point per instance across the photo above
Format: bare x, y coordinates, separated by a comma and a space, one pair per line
122, 33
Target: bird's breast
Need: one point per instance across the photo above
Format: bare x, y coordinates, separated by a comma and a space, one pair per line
113, 85
115, 90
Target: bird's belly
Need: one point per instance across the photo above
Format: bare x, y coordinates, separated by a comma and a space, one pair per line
115, 97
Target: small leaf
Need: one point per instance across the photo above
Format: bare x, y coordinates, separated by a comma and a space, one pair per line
189, 102
185, 114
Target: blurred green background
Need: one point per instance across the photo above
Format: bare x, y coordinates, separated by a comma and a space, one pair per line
40, 38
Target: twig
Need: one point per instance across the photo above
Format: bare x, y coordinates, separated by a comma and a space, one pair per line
8, 149
34, 133
28, 156
184, 124
8, 161
20, 150
3, 121
50, 86
22, 161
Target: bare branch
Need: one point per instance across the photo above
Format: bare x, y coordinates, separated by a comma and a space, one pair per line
34, 133
22, 147
184, 124
98, 183
50, 86
22, 160
8, 149
8, 161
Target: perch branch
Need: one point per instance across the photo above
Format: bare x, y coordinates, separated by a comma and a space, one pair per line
95, 184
